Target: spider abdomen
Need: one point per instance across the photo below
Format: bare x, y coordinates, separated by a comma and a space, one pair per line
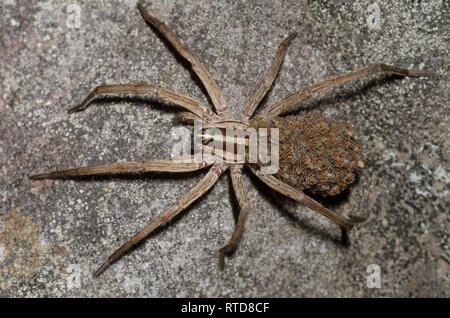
316, 153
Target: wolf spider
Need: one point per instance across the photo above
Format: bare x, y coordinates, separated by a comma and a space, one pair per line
221, 119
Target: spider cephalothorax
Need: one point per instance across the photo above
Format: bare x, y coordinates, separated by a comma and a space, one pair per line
315, 153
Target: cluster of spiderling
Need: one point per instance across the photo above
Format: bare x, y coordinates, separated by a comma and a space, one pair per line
316, 153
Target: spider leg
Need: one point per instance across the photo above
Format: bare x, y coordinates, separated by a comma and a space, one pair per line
186, 116
299, 196
267, 81
199, 189
188, 103
197, 66
238, 186
118, 167
306, 93
226, 123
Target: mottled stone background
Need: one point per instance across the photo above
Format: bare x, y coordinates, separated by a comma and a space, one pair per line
54, 233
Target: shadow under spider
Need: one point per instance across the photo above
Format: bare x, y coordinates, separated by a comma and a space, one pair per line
335, 200
155, 103
132, 176
275, 201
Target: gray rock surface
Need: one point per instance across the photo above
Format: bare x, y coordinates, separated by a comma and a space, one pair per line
54, 233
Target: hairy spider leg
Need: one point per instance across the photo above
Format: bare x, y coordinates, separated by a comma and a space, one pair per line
267, 80
121, 167
206, 79
306, 93
188, 103
299, 196
198, 190
241, 195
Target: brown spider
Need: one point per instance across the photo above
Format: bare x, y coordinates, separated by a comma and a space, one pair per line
317, 154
